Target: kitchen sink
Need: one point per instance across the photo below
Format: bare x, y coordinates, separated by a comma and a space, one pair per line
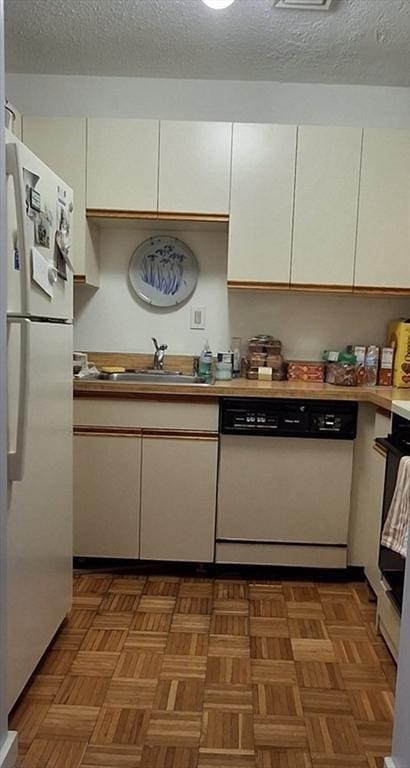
151, 377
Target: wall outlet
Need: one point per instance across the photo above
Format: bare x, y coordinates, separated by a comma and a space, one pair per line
198, 318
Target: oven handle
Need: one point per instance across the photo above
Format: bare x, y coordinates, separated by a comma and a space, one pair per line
385, 444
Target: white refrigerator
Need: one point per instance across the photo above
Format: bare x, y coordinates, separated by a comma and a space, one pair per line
39, 392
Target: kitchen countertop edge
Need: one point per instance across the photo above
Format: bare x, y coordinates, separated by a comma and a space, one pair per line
382, 397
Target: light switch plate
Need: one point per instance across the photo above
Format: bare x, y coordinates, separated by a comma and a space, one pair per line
198, 318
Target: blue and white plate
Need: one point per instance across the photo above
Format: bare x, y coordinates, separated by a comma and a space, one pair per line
163, 271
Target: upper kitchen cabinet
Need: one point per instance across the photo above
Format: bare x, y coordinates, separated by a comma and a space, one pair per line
122, 164
61, 144
383, 236
326, 193
260, 225
194, 167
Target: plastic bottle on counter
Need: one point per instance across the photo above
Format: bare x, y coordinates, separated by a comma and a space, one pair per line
371, 366
205, 362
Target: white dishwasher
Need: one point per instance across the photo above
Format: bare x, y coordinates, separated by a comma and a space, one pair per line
285, 474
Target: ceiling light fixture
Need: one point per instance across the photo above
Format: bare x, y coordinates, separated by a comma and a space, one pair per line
218, 5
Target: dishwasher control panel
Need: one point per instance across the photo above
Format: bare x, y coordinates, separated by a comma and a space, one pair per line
288, 418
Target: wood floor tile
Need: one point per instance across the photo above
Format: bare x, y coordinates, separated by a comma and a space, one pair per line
171, 672
141, 665
112, 756
180, 667
130, 586
323, 702
317, 674
280, 732
236, 607
69, 639
313, 650
196, 605
119, 602
272, 699
169, 757
313, 629
104, 640
271, 648
332, 735
228, 645
227, 624
44, 753
282, 758
180, 695
363, 676
165, 588
69, 723
131, 693
187, 644
174, 729
228, 669
83, 691
228, 697
305, 610
231, 590
228, 732
182, 622
94, 663
27, 718
373, 705
113, 620
154, 642
262, 627
120, 725
43, 688
279, 672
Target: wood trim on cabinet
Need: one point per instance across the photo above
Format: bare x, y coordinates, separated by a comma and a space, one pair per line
80, 279
250, 285
99, 213
320, 288
178, 434
383, 412
380, 450
380, 291
88, 431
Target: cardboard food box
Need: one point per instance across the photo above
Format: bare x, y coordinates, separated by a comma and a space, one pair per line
399, 338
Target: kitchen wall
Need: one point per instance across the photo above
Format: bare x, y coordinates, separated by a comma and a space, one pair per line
113, 318
70, 95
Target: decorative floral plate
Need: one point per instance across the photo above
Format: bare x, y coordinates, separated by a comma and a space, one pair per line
163, 271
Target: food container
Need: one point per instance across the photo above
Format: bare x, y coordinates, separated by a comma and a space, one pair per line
300, 370
257, 359
386, 367
399, 339
342, 374
274, 361
274, 347
223, 366
264, 343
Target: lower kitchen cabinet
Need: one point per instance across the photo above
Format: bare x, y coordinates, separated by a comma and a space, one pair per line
107, 471
178, 497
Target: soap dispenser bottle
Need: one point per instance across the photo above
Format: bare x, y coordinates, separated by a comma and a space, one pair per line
205, 362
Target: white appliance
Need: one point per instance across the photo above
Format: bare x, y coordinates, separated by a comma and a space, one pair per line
40, 346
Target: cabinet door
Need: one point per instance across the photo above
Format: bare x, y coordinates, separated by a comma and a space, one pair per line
327, 183
106, 495
260, 222
122, 164
194, 167
383, 235
178, 497
61, 144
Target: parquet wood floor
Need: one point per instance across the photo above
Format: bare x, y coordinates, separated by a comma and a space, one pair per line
152, 672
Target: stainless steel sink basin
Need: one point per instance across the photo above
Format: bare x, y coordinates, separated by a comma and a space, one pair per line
151, 377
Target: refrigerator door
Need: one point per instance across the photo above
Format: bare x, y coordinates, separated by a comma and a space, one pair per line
39, 237
39, 525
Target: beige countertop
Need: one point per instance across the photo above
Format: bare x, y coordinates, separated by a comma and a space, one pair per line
382, 397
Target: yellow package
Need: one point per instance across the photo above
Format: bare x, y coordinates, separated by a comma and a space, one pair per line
399, 338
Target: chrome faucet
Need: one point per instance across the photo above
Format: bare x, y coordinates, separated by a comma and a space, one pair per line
159, 355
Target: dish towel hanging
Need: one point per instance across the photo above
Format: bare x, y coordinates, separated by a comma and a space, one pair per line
396, 527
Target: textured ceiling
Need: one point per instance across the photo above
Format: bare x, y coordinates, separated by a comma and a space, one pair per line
357, 41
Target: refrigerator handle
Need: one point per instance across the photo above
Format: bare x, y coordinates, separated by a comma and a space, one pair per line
15, 170
15, 459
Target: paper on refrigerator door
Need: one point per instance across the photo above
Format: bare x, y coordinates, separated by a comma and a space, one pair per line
40, 271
